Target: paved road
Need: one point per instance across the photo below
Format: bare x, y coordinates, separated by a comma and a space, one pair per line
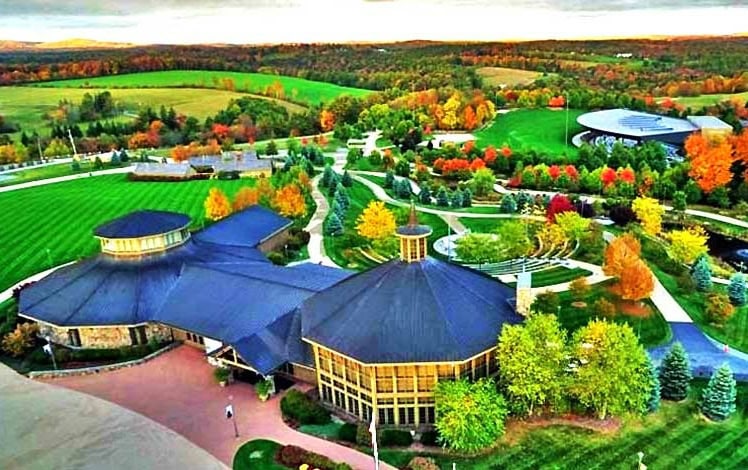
177, 389
60, 179
315, 227
47, 427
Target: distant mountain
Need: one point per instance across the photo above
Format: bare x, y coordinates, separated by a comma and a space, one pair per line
74, 43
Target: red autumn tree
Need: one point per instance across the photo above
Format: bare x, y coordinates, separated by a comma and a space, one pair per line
559, 203
608, 176
506, 151
489, 155
627, 175
477, 164
554, 171
220, 131
571, 172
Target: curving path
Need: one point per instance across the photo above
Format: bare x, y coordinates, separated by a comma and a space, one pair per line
315, 227
44, 426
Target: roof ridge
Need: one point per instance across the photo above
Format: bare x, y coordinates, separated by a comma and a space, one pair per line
452, 328
93, 262
90, 294
211, 267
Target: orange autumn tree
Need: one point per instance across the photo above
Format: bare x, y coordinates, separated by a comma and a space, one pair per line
636, 281
244, 198
620, 253
265, 191
326, 120
740, 150
710, 161
289, 201
217, 205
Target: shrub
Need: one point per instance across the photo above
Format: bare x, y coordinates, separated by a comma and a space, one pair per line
20, 340
347, 432
363, 436
702, 274
718, 398
579, 288
737, 290
429, 438
263, 388
293, 457
604, 308
546, 302
718, 308
302, 409
422, 463
276, 257
395, 438
221, 374
622, 215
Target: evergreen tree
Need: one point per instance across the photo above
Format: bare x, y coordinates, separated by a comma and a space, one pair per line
287, 164
327, 176
467, 198
456, 199
334, 225
679, 201
675, 374
338, 210
98, 164
718, 398
523, 199
653, 402
347, 180
736, 290
389, 179
341, 196
442, 198
402, 189
123, 156
508, 204
333, 184
702, 274
425, 195
115, 159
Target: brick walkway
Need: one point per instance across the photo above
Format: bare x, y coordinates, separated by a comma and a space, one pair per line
177, 390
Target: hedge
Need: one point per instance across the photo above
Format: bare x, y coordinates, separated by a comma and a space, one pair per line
125, 353
429, 438
395, 438
302, 409
293, 457
347, 432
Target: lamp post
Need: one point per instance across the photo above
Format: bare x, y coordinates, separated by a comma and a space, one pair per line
50, 351
566, 101
640, 454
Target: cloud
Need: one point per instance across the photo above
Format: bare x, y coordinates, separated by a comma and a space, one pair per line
126, 7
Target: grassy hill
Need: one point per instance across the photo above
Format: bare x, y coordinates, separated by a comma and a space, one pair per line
697, 102
498, 76
27, 106
542, 130
295, 89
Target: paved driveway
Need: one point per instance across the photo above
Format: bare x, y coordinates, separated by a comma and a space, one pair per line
177, 389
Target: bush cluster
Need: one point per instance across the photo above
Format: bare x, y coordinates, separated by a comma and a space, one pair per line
395, 438
347, 432
124, 353
422, 463
293, 457
302, 409
429, 438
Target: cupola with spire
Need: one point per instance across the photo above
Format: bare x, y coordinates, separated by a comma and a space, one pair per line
413, 238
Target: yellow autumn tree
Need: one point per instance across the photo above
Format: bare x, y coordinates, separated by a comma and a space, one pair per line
687, 245
376, 221
451, 107
244, 198
217, 205
649, 212
326, 120
289, 201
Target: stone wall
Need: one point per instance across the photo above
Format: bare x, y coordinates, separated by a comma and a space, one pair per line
158, 331
103, 337
57, 335
274, 243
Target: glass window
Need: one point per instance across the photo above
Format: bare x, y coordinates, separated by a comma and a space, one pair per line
74, 337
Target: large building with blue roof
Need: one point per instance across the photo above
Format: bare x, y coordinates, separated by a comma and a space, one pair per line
375, 342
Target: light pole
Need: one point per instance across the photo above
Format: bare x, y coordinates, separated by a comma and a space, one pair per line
566, 100
50, 351
640, 454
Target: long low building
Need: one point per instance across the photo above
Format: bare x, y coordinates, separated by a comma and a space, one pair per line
642, 127
375, 342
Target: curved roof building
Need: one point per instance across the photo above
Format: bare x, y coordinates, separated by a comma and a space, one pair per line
641, 126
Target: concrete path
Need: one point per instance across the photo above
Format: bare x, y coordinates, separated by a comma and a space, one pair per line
414, 188
177, 389
47, 427
371, 142
315, 227
60, 179
596, 277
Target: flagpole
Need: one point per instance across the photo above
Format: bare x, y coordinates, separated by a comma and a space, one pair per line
373, 431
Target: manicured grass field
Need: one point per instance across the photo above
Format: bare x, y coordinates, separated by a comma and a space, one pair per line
485, 225
676, 437
498, 76
542, 130
295, 89
557, 275
26, 106
734, 332
45, 172
50, 225
697, 102
257, 455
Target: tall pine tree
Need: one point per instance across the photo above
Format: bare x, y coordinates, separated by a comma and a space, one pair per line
327, 176
736, 290
467, 198
702, 274
456, 198
347, 180
718, 398
425, 195
442, 197
389, 179
675, 374
334, 225
653, 402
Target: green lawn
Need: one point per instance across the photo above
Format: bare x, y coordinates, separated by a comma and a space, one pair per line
295, 89
542, 130
652, 331
485, 225
734, 332
557, 275
44, 172
697, 102
49, 225
257, 455
676, 437
27, 106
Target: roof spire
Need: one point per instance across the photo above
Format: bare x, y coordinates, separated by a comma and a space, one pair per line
413, 219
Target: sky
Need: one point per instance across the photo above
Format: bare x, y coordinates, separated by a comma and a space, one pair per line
274, 21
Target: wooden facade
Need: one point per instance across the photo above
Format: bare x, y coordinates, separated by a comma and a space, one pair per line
399, 394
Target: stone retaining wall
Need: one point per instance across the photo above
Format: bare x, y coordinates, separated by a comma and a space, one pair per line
51, 374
